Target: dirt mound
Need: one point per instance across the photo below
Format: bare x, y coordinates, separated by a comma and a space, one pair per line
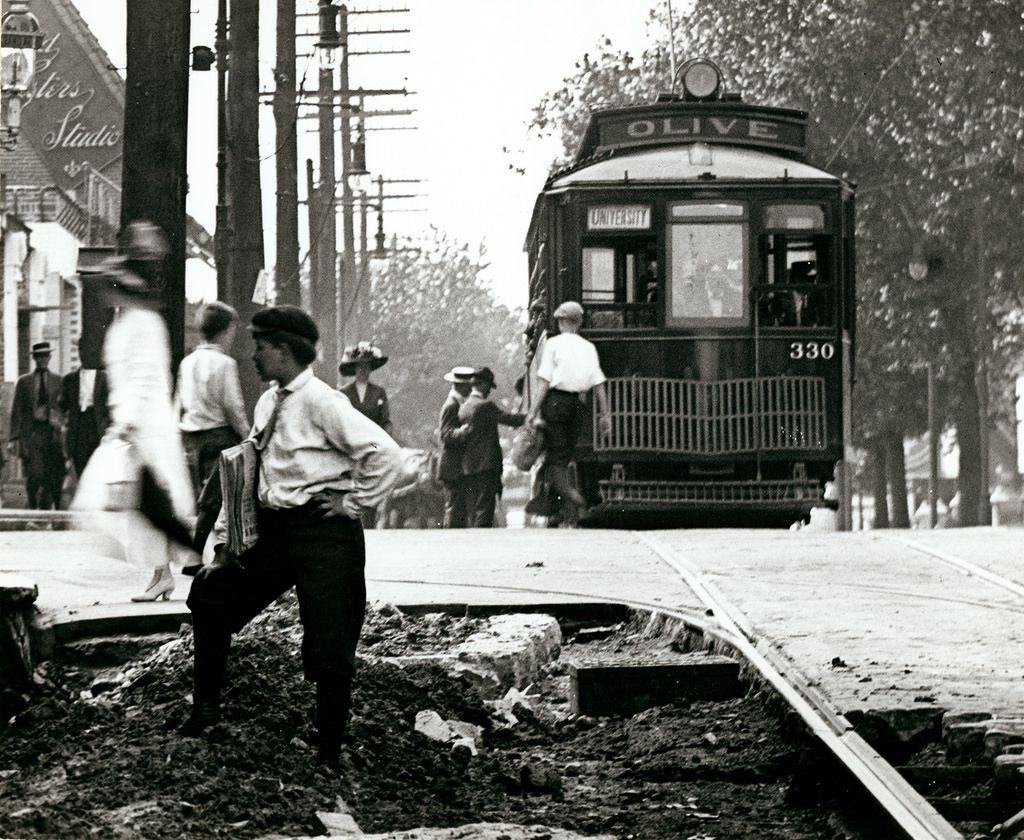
96, 753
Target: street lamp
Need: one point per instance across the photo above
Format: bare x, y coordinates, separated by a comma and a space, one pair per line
330, 39
19, 43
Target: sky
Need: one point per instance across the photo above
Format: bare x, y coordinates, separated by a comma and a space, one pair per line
475, 69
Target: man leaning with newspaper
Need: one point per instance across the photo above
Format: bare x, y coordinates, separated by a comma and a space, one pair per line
319, 465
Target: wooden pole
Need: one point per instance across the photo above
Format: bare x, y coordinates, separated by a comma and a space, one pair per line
245, 195
286, 275
154, 180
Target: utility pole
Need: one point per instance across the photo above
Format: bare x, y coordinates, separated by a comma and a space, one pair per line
344, 277
348, 266
323, 232
245, 195
156, 117
286, 276
223, 236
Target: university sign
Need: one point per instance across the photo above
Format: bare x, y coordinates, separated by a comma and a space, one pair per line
684, 122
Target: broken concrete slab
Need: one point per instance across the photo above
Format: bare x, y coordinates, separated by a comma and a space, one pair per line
600, 689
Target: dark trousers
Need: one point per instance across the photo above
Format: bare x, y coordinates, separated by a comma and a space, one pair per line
456, 508
202, 452
481, 496
324, 560
561, 411
42, 460
84, 441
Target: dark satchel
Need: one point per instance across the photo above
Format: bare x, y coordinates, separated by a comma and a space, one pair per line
527, 446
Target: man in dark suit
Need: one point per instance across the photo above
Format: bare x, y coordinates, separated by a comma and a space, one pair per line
481, 453
83, 402
449, 464
35, 425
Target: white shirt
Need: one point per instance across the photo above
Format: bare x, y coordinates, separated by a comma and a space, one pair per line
86, 387
569, 363
320, 442
209, 395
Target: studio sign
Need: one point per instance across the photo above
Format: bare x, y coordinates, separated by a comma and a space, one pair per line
70, 132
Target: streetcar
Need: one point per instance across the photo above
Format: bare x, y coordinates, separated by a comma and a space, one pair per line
715, 267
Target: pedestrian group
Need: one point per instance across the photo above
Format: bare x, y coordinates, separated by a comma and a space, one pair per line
323, 460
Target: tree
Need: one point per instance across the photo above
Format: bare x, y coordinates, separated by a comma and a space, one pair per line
918, 103
430, 311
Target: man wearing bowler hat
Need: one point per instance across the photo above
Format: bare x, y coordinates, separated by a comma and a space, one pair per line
322, 464
481, 453
35, 431
449, 464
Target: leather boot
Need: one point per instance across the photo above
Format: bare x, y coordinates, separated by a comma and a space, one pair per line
205, 713
211, 644
333, 697
161, 585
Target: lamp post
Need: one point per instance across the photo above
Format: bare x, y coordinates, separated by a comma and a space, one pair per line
918, 269
19, 43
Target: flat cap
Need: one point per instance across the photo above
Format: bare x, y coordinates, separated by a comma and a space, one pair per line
570, 310
285, 318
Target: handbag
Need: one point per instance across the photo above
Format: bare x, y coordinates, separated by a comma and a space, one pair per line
527, 446
112, 480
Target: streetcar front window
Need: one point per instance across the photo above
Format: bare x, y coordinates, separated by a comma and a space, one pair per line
707, 265
797, 290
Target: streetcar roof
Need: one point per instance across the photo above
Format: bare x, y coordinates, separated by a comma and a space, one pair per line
673, 163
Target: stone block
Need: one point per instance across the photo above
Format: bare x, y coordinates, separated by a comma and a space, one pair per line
950, 719
17, 611
622, 689
513, 648
965, 742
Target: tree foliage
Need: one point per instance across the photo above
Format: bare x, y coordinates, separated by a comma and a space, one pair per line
921, 104
431, 311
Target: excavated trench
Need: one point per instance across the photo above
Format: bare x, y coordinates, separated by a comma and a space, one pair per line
613, 724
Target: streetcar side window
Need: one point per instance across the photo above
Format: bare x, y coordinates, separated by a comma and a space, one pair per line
707, 264
620, 283
797, 288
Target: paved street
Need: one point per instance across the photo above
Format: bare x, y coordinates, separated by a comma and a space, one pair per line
874, 619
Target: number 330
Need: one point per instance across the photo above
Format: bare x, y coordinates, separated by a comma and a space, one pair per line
811, 350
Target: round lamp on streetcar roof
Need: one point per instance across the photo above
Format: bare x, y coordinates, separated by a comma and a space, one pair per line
701, 79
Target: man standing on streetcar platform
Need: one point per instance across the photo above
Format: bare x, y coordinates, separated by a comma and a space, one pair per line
322, 464
569, 368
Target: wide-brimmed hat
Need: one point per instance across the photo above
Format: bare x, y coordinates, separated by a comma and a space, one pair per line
460, 373
484, 374
41, 348
364, 352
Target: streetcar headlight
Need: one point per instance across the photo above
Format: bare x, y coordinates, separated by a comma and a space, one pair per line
701, 79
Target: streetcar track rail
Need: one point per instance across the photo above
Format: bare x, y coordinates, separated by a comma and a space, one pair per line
909, 810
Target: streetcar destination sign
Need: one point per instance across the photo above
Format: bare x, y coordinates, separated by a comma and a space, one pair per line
732, 123
619, 217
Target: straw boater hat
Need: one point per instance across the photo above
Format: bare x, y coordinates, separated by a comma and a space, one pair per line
461, 373
362, 352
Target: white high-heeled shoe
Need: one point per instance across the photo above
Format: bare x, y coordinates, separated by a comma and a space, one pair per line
161, 586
